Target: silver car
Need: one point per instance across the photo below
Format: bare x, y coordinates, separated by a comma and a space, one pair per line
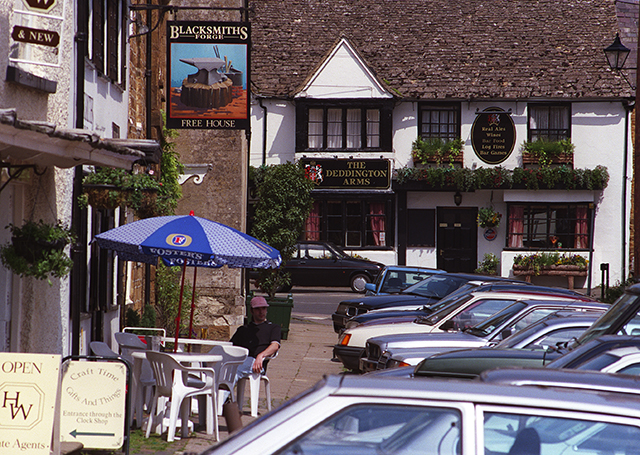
355, 415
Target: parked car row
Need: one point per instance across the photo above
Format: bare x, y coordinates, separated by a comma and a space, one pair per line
585, 402
472, 320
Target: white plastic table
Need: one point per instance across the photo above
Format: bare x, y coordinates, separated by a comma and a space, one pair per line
196, 343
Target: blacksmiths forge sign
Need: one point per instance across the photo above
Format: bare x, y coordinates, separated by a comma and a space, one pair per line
493, 135
208, 75
351, 174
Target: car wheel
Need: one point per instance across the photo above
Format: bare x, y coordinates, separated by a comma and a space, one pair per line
358, 281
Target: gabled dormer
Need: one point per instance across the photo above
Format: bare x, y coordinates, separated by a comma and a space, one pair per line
342, 106
343, 74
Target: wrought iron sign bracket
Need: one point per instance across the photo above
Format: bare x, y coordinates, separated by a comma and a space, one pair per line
15, 170
194, 170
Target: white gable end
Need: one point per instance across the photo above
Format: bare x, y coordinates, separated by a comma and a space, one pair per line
343, 75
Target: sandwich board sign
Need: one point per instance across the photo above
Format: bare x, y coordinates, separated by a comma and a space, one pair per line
28, 398
92, 403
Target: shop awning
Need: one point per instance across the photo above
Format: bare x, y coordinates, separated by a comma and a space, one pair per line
25, 142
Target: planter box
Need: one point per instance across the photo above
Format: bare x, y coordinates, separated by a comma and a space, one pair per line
563, 158
446, 159
570, 271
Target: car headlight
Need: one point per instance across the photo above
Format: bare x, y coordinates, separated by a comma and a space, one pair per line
351, 324
397, 364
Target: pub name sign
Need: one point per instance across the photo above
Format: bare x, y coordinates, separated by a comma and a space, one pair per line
208, 75
493, 135
349, 174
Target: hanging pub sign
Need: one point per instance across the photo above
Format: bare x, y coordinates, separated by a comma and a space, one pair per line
493, 135
349, 174
208, 75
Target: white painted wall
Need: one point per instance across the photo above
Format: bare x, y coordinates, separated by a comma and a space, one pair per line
598, 133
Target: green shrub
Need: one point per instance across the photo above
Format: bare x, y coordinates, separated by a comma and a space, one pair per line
284, 203
489, 264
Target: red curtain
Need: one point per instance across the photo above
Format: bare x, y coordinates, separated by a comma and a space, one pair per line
516, 226
582, 236
312, 226
377, 223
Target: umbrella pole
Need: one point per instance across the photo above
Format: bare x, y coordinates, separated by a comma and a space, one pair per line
193, 300
175, 345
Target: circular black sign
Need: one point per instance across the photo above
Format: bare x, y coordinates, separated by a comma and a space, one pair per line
493, 135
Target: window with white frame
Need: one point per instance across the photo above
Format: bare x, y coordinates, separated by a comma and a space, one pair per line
343, 126
107, 39
551, 122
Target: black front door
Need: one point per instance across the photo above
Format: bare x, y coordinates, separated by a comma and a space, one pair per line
457, 239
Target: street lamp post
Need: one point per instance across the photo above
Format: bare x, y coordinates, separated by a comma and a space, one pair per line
617, 54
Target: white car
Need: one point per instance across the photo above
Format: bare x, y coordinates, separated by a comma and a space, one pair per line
469, 310
358, 415
392, 351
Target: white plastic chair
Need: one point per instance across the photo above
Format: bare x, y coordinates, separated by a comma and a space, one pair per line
102, 349
162, 333
173, 380
226, 370
255, 379
130, 343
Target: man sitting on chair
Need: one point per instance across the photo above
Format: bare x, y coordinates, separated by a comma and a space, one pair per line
260, 337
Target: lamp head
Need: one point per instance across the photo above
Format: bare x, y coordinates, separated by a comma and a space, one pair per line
617, 54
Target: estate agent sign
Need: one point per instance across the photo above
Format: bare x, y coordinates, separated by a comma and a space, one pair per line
493, 135
208, 75
351, 174
28, 394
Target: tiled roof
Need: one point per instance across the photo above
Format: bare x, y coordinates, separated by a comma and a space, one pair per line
444, 49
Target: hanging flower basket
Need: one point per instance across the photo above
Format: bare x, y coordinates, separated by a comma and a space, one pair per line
488, 217
36, 250
145, 203
106, 197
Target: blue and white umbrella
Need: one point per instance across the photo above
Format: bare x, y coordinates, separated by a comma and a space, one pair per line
188, 240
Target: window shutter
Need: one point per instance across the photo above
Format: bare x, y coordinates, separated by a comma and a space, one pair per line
112, 40
386, 128
97, 44
302, 127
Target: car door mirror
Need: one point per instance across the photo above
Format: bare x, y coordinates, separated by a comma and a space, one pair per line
448, 325
506, 333
370, 287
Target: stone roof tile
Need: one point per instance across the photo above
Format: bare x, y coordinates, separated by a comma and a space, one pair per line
439, 49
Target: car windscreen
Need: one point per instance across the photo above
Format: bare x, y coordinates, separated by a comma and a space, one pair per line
441, 313
397, 280
494, 322
436, 286
622, 318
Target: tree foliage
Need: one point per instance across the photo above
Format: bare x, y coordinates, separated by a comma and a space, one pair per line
284, 203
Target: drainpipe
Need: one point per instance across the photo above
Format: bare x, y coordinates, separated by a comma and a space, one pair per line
148, 73
627, 107
592, 227
79, 250
264, 132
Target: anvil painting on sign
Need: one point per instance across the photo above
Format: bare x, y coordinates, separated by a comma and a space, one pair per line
207, 70
210, 87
